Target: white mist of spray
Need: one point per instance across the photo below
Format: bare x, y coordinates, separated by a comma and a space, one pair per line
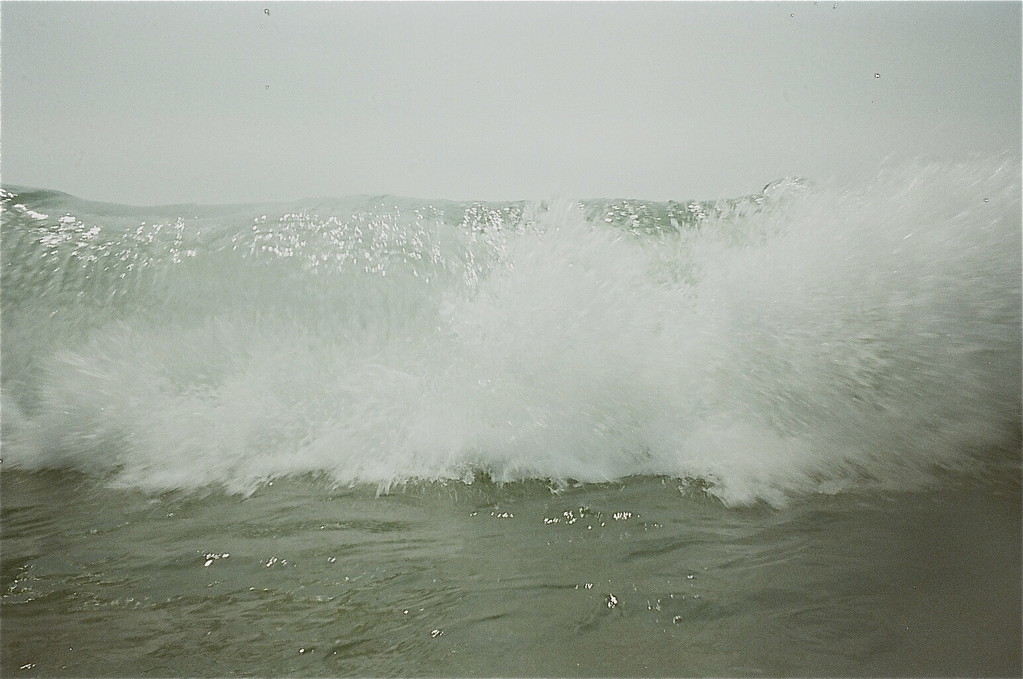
819, 339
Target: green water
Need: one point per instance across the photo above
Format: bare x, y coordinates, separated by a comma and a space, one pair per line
639, 578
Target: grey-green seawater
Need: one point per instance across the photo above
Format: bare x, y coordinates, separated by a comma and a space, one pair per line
637, 578
775, 435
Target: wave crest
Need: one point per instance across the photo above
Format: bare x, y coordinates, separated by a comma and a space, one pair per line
798, 341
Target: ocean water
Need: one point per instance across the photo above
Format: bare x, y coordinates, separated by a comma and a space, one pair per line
773, 435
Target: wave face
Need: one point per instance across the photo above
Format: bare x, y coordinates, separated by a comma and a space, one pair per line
805, 339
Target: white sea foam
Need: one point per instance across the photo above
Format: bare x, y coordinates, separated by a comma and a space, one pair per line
805, 341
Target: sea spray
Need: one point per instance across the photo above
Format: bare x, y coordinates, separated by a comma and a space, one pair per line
809, 338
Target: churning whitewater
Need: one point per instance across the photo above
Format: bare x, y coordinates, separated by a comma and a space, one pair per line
805, 339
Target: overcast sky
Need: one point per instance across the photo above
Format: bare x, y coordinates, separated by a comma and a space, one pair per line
208, 102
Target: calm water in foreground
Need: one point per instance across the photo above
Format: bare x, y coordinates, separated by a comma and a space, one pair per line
638, 578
